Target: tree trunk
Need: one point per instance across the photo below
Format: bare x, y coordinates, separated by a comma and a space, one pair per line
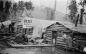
77, 20
81, 19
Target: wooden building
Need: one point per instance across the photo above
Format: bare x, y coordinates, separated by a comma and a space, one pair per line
79, 38
58, 34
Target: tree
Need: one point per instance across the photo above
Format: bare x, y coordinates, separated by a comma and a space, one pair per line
81, 14
7, 6
21, 5
1, 5
4, 11
15, 7
29, 5
82, 3
73, 10
13, 10
28, 8
50, 13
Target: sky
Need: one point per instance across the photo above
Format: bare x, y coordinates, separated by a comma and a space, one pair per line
61, 5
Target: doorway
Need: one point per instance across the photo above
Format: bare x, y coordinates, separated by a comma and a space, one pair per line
54, 35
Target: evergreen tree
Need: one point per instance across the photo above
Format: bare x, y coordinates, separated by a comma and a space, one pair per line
21, 5
4, 11
29, 5
73, 10
1, 5
29, 8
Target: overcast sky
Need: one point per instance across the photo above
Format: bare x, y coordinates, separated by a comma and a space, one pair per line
61, 4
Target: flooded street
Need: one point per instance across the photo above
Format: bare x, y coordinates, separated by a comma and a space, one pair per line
22, 51
27, 51
44, 50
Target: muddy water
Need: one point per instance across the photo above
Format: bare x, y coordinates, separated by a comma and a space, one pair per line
27, 51
46, 50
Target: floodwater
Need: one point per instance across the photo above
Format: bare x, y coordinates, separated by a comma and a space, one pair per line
27, 51
37, 50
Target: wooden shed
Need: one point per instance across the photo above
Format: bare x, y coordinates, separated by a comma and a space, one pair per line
58, 34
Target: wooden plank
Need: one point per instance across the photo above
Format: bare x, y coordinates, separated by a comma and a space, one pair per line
38, 45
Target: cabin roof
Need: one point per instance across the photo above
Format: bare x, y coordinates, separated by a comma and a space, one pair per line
58, 27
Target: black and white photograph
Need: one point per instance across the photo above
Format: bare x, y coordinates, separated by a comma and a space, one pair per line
42, 26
